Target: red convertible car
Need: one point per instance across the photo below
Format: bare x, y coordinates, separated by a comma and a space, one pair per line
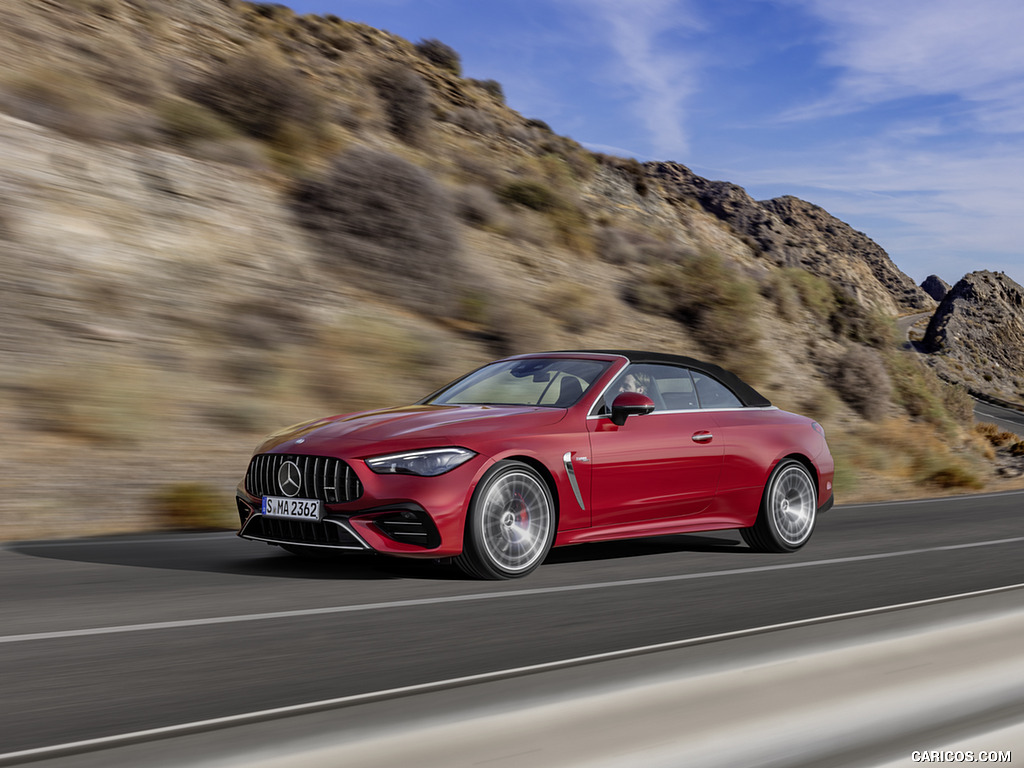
539, 451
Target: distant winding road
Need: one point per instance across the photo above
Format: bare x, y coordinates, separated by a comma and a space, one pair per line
1005, 418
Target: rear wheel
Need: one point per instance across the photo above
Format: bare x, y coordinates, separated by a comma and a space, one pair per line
510, 525
788, 509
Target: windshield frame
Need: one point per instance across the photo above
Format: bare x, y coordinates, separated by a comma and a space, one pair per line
530, 367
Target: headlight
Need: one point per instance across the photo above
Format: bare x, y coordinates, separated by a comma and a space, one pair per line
426, 463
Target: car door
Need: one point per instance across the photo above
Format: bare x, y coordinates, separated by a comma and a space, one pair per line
662, 465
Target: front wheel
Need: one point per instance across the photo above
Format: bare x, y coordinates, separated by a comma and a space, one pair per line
510, 525
788, 509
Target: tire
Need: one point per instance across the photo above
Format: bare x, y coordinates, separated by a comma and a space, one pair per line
788, 510
510, 525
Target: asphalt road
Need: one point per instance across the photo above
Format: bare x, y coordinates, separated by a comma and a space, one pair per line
1004, 418
111, 636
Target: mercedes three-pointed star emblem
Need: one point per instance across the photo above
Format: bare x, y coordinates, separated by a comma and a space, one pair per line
289, 479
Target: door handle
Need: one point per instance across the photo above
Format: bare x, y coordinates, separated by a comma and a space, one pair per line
702, 437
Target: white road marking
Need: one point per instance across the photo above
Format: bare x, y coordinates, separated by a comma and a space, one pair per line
154, 539
152, 734
212, 620
936, 500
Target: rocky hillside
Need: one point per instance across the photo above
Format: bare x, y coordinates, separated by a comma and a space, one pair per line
218, 218
935, 287
976, 336
790, 232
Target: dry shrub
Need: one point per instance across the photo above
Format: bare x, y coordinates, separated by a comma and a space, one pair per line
477, 205
828, 302
67, 102
995, 436
517, 327
567, 218
564, 160
441, 55
784, 295
616, 246
391, 221
854, 321
816, 293
625, 247
631, 168
472, 120
954, 476
261, 98
923, 395
269, 323
493, 87
185, 122
330, 36
532, 194
901, 450
575, 306
819, 402
192, 507
274, 11
406, 102
957, 400
861, 380
716, 303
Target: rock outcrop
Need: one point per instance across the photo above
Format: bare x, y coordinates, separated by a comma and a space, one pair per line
935, 287
976, 336
790, 232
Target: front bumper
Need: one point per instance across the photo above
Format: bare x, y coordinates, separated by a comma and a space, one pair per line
402, 515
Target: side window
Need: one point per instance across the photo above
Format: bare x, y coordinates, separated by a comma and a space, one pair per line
676, 388
714, 394
669, 386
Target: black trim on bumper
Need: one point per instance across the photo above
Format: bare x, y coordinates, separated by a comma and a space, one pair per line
828, 504
327, 533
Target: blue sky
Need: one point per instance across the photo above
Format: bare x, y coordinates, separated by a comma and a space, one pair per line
904, 118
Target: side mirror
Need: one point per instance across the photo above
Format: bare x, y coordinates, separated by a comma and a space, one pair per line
630, 404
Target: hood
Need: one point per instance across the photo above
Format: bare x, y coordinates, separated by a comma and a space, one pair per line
412, 426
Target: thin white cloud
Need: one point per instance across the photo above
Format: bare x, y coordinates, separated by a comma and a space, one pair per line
662, 77
887, 50
609, 149
934, 177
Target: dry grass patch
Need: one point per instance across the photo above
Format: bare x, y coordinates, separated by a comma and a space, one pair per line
192, 507
995, 436
103, 401
900, 453
716, 304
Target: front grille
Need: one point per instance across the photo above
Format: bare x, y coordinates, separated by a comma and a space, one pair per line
322, 477
324, 534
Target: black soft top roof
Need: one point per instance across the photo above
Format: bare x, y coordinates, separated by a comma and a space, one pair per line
749, 396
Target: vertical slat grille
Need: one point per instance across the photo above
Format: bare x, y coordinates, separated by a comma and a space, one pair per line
321, 477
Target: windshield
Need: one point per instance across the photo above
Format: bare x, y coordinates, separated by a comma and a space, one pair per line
554, 382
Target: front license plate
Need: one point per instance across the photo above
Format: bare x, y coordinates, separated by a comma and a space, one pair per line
294, 509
